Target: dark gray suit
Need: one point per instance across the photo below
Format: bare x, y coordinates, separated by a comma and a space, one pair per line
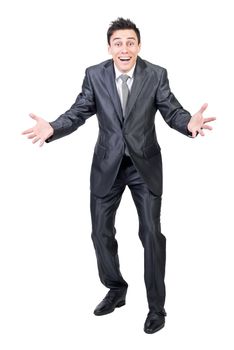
111, 171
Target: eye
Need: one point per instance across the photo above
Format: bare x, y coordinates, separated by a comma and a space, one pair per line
118, 44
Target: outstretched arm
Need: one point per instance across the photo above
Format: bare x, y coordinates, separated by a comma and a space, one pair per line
197, 123
83, 108
176, 116
40, 132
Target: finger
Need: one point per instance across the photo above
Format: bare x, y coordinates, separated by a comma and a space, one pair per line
201, 132
42, 142
36, 139
203, 108
28, 131
34, 116
207, 127
31, 136
211, 119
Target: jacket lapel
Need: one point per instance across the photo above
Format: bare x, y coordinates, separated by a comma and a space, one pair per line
109, 78
138, 83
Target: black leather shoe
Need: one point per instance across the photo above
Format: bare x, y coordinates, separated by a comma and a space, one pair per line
154, 322
112, 300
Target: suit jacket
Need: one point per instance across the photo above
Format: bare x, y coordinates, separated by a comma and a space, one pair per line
150, 92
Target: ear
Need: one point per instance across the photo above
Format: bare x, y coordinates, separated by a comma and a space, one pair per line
139, 48
109, 49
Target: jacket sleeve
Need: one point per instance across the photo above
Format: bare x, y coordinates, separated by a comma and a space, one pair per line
83, 108
170, 108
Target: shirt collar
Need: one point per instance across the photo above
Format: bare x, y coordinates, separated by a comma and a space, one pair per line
118, 73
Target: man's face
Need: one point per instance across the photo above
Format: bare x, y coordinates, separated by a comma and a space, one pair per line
124, 48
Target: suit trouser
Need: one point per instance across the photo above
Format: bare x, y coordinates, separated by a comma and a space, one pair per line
148, 205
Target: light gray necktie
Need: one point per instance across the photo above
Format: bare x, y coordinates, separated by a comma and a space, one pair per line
125, 91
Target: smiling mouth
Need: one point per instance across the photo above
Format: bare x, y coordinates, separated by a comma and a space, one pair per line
124, 59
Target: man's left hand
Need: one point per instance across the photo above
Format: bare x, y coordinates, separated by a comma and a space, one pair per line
197, 123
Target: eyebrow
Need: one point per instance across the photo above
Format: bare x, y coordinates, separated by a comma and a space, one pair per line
127, 38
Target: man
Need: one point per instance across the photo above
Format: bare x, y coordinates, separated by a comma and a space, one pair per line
125, 93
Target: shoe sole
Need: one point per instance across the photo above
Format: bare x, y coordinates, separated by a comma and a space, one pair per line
121, 303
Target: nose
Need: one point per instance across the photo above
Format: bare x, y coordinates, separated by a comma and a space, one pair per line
124, 49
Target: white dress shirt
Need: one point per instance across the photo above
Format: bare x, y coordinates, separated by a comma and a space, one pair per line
119, 88
119, 81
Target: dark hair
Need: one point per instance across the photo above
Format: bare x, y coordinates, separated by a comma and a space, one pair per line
122, 23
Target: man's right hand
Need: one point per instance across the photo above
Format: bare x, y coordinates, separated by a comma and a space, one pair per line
40, 132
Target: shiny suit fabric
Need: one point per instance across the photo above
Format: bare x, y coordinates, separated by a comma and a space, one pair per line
150, 92
148, 205
112, 170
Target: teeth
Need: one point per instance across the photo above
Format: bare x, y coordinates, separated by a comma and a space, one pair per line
124, 59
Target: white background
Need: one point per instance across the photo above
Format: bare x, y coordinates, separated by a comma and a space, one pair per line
48, 274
